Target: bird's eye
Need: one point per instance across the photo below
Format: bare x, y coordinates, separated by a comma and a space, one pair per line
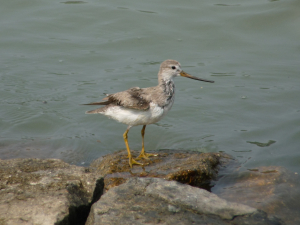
173, 67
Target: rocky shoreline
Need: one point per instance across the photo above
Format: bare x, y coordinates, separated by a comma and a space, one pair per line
166, 191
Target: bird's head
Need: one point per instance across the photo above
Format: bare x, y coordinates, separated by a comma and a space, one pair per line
171, 68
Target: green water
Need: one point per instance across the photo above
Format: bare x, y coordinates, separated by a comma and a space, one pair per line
56, 55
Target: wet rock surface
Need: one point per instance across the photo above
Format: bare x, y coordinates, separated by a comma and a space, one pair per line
37, 191
272, 189
193, 168
157, 201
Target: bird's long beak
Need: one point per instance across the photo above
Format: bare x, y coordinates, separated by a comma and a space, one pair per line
184, 74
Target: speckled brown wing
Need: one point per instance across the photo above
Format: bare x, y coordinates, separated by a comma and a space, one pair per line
131, 98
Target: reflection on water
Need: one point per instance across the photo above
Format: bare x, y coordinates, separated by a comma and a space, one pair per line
223, 74
270, 142
34, 150
74, 2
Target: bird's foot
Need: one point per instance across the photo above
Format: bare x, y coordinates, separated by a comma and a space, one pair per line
145, 156
133, 162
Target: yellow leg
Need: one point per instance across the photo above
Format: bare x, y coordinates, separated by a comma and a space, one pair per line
143, 154
131, 160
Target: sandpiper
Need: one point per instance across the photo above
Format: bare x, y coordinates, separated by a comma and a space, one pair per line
143, 106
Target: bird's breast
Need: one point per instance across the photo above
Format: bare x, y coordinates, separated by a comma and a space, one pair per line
169, 103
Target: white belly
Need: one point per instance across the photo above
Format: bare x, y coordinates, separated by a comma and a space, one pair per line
135, 117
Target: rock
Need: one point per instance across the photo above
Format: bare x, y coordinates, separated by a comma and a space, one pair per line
157, 201
272, 189
193, 168
37, 191
50, 191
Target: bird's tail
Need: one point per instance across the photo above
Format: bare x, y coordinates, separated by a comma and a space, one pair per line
95, 111
98, 103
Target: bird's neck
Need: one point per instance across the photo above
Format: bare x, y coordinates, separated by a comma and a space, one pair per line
168, 87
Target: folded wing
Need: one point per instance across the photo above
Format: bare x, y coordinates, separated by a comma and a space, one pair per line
131, 99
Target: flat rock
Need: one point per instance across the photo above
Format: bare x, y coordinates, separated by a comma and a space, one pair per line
157, 201
50, 191
193, 168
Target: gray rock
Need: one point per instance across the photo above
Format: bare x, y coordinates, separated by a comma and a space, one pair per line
47, 192
44, 192
196, 199
157, 201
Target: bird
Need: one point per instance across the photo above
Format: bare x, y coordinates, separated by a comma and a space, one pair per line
143, 106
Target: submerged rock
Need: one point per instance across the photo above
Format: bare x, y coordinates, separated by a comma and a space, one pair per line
50, 191
272, 189
193, 168
157, 201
